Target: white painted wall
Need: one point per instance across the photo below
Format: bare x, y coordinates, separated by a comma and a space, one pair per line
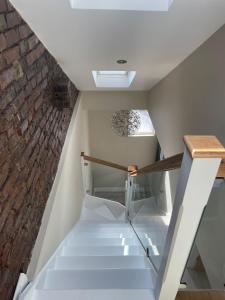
107, 145
65, 201
153, 43
190, 100
103, 101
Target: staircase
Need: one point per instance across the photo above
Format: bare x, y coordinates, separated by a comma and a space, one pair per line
101, 258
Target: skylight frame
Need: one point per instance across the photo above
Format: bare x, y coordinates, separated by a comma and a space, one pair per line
135, 5
113, 79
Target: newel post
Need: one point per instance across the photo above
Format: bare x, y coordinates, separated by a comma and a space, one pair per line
201, 162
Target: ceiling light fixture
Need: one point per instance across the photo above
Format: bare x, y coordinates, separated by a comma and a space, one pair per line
126, 122
122, 61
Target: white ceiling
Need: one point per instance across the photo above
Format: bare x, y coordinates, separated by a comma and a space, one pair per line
154, 43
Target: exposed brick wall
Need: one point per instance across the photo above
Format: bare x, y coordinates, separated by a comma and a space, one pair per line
32, 133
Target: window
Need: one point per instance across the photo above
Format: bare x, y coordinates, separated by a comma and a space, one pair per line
146, 128
113, 79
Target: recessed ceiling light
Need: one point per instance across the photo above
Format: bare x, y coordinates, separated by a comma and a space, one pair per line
113, 79
121, 61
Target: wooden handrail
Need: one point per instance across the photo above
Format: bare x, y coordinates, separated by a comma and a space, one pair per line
221, 172
172, 163
104, 162
167, 164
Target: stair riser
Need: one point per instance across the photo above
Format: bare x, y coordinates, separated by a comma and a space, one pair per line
101, 262
102, 242
103, 251
99, 279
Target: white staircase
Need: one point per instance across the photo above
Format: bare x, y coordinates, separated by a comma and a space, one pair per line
100, 259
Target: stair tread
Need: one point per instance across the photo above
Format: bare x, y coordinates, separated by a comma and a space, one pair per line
120, 294
101, 262
100, 259
103, 250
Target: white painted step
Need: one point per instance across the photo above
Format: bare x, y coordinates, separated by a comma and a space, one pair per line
151, 238
103, 225
101, 262
102, 230
99, 279
139, 294
103, 251
103, 242
87, 235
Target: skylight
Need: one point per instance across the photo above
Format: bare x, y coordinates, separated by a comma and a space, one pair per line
142, 5
113, 79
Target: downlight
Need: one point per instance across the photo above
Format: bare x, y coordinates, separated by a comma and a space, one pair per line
122, 61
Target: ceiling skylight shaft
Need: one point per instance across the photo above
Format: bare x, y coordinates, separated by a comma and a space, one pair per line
141, 5
113, 79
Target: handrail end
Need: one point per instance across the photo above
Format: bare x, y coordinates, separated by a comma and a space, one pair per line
204, 146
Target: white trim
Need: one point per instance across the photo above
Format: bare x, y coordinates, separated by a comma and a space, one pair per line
109, 189
191, 198
21, 285
35, 263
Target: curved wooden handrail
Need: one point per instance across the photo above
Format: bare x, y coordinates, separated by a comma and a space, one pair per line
168, 164
104, 162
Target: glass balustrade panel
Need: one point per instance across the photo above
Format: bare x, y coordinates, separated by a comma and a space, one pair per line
150, 210
205, 268
105, 182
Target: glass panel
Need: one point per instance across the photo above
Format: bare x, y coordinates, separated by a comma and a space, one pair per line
105, 182
150, 210
205, 268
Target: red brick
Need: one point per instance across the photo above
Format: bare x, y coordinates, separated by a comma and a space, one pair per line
38, 103
3, 25
24, 126
32, 42
2, 62
24, 31
7, 98
12, 54
4, 172
13, 19
9, 6
12, 37
6, 78
32, 133
35, 54
3, 42
3, 6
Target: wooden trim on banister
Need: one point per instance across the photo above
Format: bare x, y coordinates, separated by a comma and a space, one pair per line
221, 172
204, 146
167, 164
104, 162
